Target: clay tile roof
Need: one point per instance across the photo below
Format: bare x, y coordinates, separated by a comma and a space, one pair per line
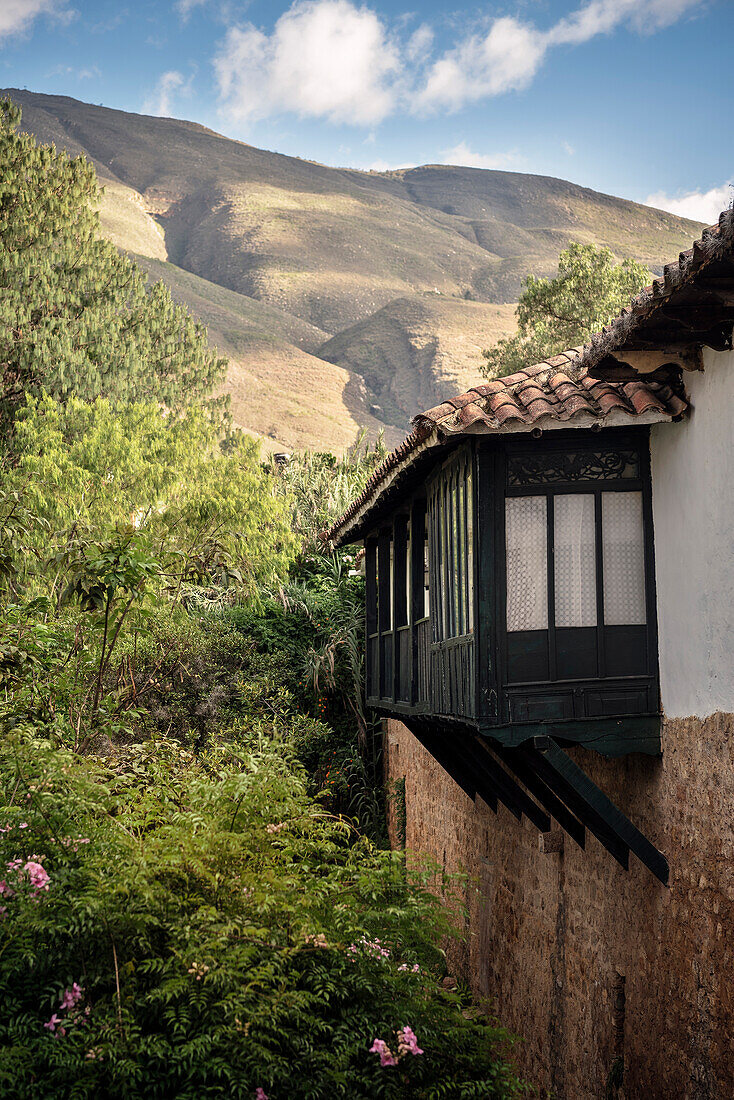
558, 390
715, 242
528, 399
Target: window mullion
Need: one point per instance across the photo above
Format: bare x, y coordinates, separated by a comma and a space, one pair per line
551, 580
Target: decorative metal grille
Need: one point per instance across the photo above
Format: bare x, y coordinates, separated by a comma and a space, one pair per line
550, 469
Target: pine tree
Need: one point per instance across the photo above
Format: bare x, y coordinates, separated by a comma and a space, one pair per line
76, 316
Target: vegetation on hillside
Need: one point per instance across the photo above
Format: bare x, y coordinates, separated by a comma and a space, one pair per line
195, 900
76, 316
329, 249
556, 314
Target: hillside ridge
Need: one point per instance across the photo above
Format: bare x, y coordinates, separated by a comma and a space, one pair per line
336, 273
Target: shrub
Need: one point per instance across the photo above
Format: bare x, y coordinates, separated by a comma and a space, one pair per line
198, 927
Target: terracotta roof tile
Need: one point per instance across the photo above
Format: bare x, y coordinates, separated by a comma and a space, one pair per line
716, 241
531, 397
559, 388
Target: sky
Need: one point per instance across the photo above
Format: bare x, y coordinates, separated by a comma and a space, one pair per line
630, 97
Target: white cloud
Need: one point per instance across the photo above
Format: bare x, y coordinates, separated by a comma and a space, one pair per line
159, 103
568, 148
603, 16
185, 7
420, 43
510, 53
17, 15
506, 59
324, 59
78, 74
701, 206
461, 154
336, 60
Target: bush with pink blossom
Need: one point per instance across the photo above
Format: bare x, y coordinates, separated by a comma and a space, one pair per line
160, 940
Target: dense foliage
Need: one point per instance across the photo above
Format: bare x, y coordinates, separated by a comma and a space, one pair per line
195, 900
195, 925
76, 316
186, 909
561, 313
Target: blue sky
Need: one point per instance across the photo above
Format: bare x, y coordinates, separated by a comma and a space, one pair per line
631, 97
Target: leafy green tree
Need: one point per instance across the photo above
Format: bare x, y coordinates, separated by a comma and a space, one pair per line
76, 316
321, 486
87, 468
561, 313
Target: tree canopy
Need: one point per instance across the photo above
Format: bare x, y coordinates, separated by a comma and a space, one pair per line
76, 316
556, 314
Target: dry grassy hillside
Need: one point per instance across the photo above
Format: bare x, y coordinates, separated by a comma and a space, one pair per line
280, 390
410, 272
414, 351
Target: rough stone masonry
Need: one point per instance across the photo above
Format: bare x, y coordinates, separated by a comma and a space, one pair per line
588, 963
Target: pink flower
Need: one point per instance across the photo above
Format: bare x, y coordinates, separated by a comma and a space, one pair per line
51, 1024
407, 1042
38, 875
375, 948
260, 1094
71, 996
387, 1058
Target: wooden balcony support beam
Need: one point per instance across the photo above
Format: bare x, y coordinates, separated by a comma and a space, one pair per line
505, 786
571, 783
514, 760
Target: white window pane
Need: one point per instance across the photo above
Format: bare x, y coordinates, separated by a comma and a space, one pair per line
575, 559
527, 563
624, 559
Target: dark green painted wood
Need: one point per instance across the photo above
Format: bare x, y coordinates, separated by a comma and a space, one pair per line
578, 805
613, 715
612, 816
417, 541
485, 591
440, 749
507, 789
486, 788
401, 611
384, 602
608, 736
557, 809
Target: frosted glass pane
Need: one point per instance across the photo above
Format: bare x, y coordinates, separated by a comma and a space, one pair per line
624, 559
527, 563
575, 559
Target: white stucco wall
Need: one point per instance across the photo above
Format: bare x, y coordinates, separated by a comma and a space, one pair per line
693, 509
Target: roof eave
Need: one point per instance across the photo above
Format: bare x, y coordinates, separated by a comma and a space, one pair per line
344, 533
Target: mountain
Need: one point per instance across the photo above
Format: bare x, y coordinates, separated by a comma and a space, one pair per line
344, 299
414, 351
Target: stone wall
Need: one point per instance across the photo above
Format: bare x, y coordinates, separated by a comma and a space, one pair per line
582, 959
